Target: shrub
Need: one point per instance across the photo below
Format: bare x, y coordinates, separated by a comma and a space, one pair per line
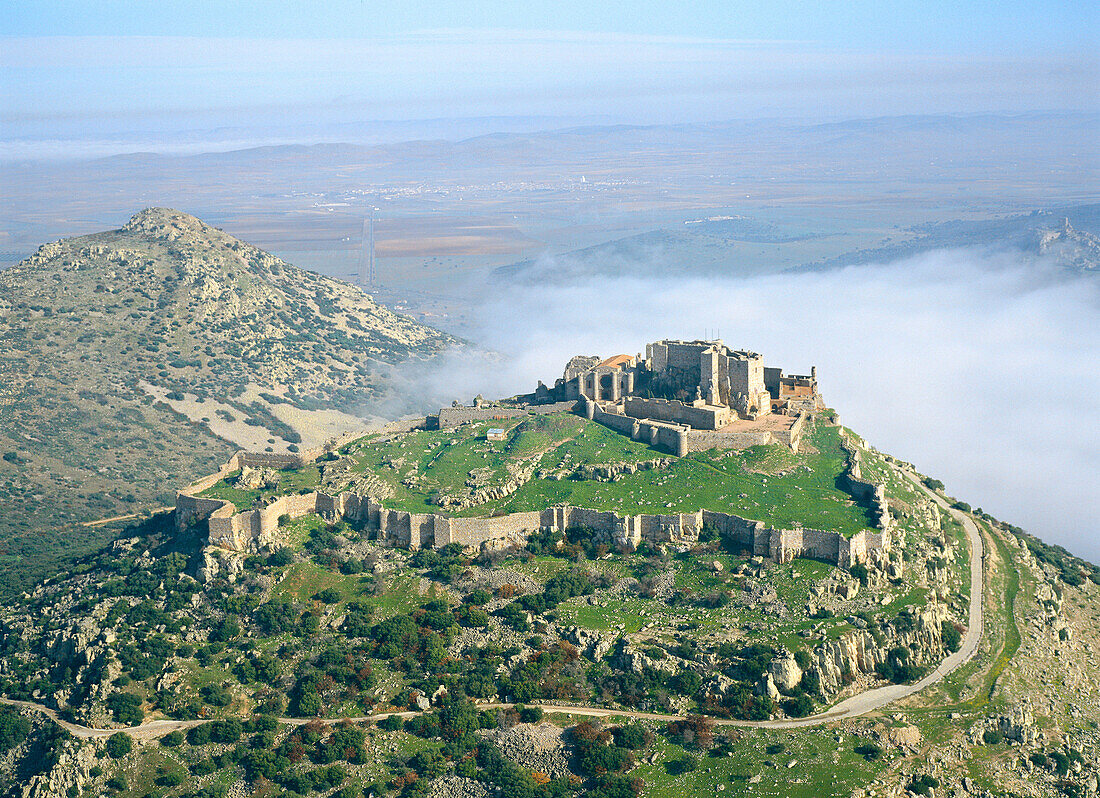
199, 735
126, 707
992, 737
685, 764
119, 745
923, 784
799, 706
172, 779
952, 637
530, 714
14, 728
631, 737
391, 723
172, 739
869, 751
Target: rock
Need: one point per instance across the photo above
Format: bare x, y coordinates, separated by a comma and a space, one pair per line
537, 747
1018, 725
423, 702
767, 687
847, 590
908, 737
785, 672
451, 786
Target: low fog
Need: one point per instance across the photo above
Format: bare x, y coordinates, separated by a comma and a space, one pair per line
980, 368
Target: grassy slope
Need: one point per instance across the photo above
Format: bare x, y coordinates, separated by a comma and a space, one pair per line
769, 483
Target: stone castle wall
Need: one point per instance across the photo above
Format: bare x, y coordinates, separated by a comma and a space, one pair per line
449, 417
253, 529
677, 412
699, 441
864, 489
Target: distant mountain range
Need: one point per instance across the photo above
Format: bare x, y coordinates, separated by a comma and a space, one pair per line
743, 247
1069, 234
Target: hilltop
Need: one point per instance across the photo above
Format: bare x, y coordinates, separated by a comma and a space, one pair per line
131, 357
337, 652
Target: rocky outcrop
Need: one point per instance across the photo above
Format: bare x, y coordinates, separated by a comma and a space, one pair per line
609, 473
75, 760
538, 747
258, 478
785, 672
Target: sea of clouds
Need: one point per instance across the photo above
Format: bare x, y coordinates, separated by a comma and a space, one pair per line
982, 368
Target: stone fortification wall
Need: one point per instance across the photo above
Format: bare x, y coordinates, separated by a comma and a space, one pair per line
449, 417
707, 417
454, 416
864, 489
793, 436
664, 435
699, 441
252, 529
404, 425
271, 460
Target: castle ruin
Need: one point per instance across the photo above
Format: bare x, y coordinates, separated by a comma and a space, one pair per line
690, 395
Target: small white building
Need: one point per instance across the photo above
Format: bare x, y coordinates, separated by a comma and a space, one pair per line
494, 434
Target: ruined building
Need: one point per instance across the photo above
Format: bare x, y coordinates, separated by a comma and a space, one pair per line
697, 385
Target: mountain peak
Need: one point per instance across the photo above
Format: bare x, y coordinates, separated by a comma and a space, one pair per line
165, 223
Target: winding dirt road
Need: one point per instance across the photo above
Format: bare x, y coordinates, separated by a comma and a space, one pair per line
855, 706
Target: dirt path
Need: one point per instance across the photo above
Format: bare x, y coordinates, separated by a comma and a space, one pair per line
855, 706
151, 511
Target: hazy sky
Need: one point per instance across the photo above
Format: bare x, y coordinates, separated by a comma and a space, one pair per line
81, 68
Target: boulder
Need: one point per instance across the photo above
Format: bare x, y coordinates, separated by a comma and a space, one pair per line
785, 672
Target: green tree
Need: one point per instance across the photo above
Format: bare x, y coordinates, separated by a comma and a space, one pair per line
119, 745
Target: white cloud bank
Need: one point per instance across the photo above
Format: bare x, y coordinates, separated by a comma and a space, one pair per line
982, 369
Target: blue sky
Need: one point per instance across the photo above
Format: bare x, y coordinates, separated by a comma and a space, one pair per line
969, 25
86, 69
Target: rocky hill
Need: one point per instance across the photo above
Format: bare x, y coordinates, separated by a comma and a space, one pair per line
133, 357
959, 660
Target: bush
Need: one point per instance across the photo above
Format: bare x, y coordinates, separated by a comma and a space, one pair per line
119, 745
530, 714
118, 782
952, 637
799, 706
391, 723
859, 571
992, 737
14, 728
677, 767
631, 737
869, 751
126, 707
199, 735
172, 739
172, 779
923, 784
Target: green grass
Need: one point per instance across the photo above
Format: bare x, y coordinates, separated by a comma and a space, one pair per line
306, 478
303, 580
767, 483
822, 767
